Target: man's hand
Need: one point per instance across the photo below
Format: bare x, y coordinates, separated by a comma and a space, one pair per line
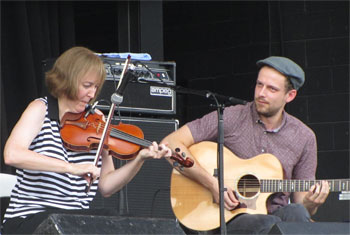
316, 196
230, 200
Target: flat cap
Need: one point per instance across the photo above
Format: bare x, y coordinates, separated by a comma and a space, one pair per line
287, 67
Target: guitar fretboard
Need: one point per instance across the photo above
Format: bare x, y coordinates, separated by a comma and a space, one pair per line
338, 185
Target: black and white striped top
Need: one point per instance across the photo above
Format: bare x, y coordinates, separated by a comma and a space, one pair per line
37, 190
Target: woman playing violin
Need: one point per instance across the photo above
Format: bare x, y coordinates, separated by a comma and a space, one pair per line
51, 178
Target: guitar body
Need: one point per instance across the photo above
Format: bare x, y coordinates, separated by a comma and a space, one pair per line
193, 204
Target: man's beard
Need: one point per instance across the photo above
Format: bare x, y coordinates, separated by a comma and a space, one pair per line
266, 110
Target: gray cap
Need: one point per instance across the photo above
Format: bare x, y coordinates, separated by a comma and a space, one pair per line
286, 67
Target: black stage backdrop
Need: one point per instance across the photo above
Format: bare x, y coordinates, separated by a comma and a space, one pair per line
30, 32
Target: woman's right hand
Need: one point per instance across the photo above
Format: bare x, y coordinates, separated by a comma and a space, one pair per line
87, 171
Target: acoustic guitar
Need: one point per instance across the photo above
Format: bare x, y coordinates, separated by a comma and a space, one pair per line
253, 180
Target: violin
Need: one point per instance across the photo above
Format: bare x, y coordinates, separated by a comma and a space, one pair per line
81, 132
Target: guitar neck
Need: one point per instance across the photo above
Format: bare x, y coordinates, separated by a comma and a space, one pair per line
338, 185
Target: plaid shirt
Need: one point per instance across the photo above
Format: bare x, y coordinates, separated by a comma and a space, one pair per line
293, 143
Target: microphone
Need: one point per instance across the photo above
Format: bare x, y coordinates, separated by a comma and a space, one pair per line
234, 100
90, 109
227, 99
117, 97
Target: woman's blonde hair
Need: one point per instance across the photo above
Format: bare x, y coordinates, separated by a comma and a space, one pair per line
69, 68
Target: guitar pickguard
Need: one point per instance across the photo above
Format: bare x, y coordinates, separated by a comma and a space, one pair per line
247, 202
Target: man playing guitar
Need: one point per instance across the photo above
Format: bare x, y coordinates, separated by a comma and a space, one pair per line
259, 127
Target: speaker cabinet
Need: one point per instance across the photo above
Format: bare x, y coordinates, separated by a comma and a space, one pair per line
310, 228
148, 193
92, 224
333, 210
150, 90
141, 98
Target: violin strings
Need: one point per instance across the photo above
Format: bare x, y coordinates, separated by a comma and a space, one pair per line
130, 138
125, 136
109, 128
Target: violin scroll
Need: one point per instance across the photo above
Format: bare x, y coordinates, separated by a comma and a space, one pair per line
181, 159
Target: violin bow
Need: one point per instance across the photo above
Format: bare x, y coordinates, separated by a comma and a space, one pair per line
107, 124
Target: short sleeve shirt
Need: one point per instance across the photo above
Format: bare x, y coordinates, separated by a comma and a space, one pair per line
293, 143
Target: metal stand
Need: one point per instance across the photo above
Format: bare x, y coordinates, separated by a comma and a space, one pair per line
220, 164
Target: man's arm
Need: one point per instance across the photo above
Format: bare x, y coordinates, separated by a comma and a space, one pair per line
183, 139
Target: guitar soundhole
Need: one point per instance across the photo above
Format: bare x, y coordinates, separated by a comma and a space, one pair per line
248, 186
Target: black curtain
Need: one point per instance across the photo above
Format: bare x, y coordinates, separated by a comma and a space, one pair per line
30, 33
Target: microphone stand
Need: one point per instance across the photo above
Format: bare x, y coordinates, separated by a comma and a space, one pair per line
220, 142
220, 161
220, 139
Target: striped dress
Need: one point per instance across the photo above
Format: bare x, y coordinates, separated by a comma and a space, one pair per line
36, 191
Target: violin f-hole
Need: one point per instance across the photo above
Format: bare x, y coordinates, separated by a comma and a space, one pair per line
92, 137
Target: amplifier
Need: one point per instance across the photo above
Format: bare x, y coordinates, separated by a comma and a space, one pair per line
149, 93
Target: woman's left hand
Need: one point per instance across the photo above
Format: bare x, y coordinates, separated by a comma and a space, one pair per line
155, 151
